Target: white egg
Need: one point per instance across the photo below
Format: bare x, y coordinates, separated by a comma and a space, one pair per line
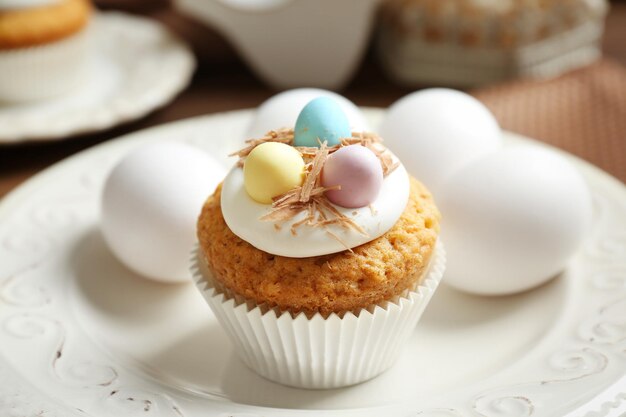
438, 131
512, 220
150, 204
282, 110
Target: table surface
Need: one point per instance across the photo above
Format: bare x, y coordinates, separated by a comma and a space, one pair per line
223, 83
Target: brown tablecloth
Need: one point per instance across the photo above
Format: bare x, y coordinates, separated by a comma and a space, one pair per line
583, 112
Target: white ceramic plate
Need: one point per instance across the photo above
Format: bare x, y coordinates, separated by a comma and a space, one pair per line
136, 65
80, 335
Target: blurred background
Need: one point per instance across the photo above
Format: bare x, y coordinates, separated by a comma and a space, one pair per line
550, 69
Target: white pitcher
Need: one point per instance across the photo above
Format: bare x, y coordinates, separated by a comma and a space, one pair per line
292, 43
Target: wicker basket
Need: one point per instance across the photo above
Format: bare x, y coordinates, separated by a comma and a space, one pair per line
475, 42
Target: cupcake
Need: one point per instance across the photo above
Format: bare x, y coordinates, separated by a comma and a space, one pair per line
43, 47
318, 253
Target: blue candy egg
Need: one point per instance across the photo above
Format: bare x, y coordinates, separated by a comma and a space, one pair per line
323, 119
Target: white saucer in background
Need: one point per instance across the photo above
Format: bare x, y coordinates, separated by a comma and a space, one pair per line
136, 66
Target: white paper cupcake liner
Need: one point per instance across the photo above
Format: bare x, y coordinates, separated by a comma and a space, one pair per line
318, 352
45, 71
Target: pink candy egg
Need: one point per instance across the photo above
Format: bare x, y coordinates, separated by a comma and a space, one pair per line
357, 170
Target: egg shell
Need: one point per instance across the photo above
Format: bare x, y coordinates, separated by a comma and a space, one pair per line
438, 131
512, 220
359, 173
282, 110
272, 169
150, 204
321, 120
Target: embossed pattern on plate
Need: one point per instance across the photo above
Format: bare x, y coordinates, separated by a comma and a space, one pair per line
80, 335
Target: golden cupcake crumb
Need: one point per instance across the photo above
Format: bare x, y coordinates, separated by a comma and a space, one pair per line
372, 273
33, 26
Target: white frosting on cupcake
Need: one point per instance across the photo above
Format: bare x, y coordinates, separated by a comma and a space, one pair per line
24, 4
242, 215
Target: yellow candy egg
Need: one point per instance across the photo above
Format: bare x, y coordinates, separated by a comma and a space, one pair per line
272, 169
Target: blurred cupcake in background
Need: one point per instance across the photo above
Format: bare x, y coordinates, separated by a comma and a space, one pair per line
43, 48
